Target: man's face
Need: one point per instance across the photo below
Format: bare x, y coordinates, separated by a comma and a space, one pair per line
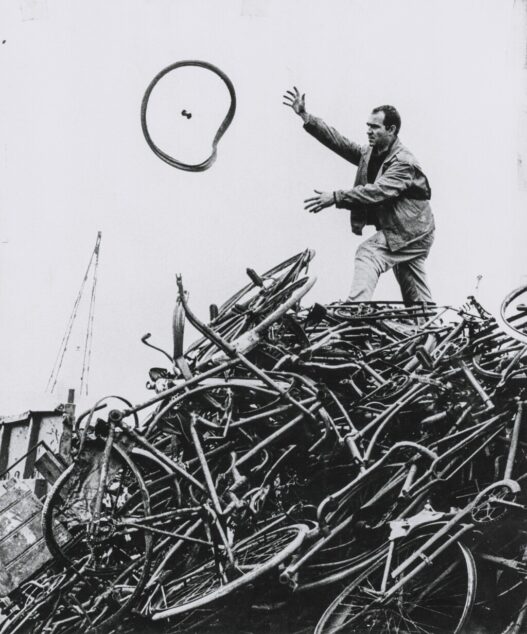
378, 136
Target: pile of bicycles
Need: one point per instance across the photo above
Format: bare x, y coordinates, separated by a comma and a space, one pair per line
353, 467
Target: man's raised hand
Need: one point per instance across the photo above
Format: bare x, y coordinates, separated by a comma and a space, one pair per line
295, 100
319, 202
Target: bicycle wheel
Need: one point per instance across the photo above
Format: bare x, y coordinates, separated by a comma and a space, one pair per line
254, 557
116, 553
357, 544
198, 167
280, 275
504, 320
250, 315
436, 600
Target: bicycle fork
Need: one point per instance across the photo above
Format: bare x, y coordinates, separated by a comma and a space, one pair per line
114, 417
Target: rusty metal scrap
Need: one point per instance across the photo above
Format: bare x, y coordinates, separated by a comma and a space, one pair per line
341, 468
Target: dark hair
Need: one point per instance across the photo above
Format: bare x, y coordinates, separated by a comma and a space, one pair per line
391, 117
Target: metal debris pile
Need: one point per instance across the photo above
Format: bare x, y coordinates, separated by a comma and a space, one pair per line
339, 468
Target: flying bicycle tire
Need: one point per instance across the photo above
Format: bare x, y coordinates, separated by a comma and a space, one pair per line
359, 608
261, 553
198, 167
68, 553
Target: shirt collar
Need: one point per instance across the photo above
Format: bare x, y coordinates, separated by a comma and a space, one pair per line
391, 151
383, 155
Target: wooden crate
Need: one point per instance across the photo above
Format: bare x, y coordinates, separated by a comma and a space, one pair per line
22, 548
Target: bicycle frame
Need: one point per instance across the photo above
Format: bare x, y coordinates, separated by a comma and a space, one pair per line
447, 532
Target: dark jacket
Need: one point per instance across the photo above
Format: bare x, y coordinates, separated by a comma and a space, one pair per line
399, 196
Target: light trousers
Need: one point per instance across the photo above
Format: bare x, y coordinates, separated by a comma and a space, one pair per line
374, 257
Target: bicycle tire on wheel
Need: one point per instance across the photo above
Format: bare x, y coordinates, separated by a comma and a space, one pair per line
125, 570
360, 607
261, 553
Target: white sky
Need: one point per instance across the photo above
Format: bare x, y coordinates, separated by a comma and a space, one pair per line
73, 160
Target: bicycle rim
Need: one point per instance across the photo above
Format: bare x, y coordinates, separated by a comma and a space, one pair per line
118, 562
253, 557
438, 600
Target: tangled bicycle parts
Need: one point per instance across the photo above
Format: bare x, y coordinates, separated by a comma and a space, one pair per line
505, 323
198, 167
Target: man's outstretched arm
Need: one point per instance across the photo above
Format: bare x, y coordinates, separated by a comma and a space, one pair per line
397, 179
327, 135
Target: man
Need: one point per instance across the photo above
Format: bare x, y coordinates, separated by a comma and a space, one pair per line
390, 192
